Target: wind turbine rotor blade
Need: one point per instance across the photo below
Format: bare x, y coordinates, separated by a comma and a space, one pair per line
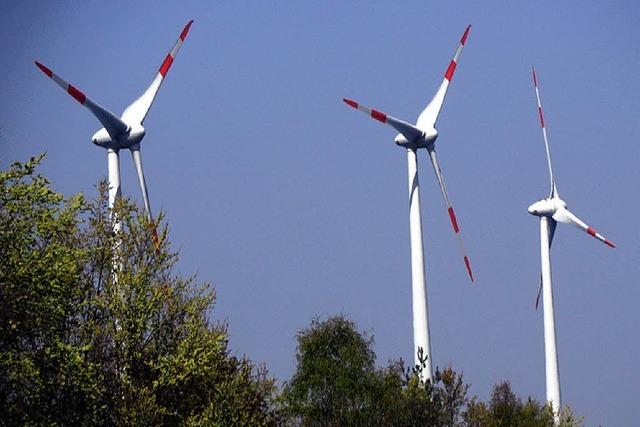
551, 230
565, 216
554, 190
452, 215
138, 110
407, 129
114, 126
137, 160
539, 292
429, 116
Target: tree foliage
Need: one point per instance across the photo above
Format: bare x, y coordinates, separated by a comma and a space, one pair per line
334, 377
96, 329
504, 408
336, 383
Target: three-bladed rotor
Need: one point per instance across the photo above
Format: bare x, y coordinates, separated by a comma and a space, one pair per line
126, 131
553, 207
424, 134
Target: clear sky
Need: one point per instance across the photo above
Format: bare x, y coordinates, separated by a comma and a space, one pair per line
294, 205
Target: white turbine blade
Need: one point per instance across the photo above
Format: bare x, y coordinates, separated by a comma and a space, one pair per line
452, 215
428, 117
137, 160
554, 190
114, 126
408, 130
551, 231
539, 292
138, 110
566, 217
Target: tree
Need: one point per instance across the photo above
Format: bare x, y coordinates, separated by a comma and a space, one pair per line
336, 383
504, 408
42, 372
334, 376
95, 328
438, 401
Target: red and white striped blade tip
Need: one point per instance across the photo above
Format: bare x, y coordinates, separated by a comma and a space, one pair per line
76, 93
44, 69
185, 30
535, 77
468, 265
456, 230
465, 35
592, 232
350, 102
448, 75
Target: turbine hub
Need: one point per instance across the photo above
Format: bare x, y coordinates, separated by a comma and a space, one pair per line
401, 140
135, 135
546, 207
542, 208
428, 138
430, 134
101, 138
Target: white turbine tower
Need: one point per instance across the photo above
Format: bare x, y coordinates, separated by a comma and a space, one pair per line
422, 135
551, 211
126, 131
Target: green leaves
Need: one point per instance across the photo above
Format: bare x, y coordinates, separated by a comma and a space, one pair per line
337, 384
95, 328
39, 272
334, 374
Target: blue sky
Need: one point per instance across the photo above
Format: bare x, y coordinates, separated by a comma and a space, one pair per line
293, 205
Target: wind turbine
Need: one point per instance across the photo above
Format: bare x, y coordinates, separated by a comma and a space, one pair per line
412, 137
551, 211
124, 132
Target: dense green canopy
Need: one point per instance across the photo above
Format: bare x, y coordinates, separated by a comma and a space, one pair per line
337, 384
96, 329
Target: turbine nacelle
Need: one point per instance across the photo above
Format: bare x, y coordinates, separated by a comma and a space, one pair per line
547, 207
132, 136
401, 140
424, 140
101, 138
